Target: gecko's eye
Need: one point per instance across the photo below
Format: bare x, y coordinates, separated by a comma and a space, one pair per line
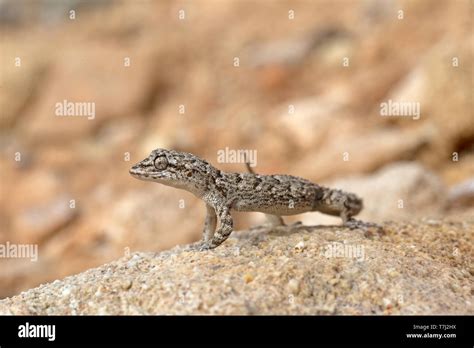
161, 163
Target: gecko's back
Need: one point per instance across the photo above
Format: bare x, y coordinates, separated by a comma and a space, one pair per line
272, 194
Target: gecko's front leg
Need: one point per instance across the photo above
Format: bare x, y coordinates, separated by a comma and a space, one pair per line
225, 229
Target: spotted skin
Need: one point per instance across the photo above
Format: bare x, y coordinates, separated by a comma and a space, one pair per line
274, 195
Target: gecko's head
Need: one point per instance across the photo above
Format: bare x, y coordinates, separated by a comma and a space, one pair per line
174, 168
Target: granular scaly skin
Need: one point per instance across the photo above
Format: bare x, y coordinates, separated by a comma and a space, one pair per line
275, 195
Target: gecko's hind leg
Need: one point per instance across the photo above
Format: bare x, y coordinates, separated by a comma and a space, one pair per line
278, 225
274, 220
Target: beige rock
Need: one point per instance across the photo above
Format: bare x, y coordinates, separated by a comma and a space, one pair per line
310, 122
115, 91
35, 223
442, 71
347, 153
22, 73
38, 205
399, 191
180, 281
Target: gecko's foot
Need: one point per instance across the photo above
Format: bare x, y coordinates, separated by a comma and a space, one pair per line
199, 246
294, 226
365, 226
284, 229
202, 246
274, 220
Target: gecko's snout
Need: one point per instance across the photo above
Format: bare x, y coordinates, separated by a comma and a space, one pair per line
135, 170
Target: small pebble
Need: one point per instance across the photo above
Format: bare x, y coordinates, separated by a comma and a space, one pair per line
300, 246
386, 302
127, 284
248, 278
294, 286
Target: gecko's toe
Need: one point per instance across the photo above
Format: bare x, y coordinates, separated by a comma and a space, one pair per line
198, 246
353, 224
367, 227
203, 246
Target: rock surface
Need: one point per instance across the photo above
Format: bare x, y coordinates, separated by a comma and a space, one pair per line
416, 268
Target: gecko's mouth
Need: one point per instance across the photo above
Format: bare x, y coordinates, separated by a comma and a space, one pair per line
134, 171
138, 172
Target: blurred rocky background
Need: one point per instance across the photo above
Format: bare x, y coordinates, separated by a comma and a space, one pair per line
299, 82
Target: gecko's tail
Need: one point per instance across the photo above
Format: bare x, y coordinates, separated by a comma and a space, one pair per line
334, 202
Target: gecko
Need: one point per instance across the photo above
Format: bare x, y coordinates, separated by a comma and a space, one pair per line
275, 195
